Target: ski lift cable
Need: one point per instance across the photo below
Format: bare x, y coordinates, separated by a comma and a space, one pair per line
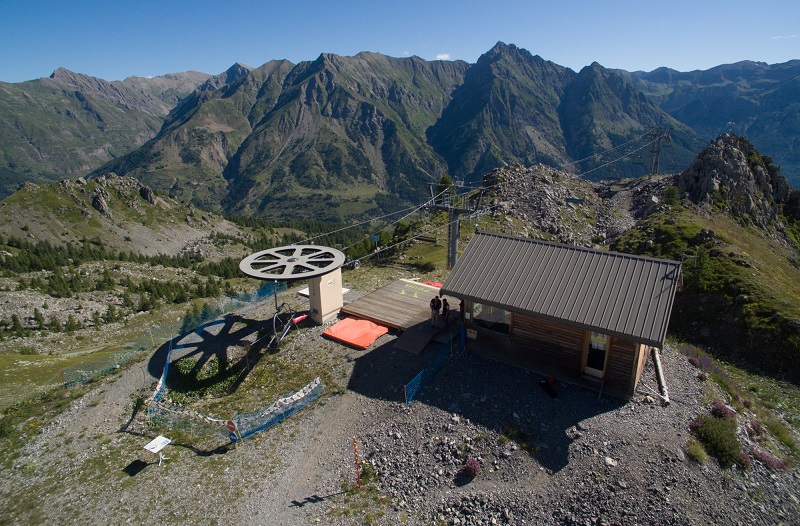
580, 175
606, 151
410, 211
358, 224
418, 235
413, 211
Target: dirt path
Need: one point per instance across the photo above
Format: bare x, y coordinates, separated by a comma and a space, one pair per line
313, 466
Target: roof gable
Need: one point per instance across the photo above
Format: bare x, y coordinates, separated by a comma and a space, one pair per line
619, 294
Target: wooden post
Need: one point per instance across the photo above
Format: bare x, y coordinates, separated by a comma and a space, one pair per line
358, 465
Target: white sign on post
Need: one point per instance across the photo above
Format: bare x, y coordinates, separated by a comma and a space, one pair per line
156, 445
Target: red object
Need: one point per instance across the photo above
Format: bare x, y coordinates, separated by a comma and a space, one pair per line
358, 465
231, 426
298, 319
356, 333
433, 284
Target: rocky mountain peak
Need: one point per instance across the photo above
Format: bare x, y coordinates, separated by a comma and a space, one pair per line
231, 75
731, 174
237, 71
63, 74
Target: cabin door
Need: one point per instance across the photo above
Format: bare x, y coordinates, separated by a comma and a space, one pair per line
597, 354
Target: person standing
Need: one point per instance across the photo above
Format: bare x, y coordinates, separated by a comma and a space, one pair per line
446, 312
436, 304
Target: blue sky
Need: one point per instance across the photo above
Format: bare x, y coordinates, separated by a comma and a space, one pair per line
113, 39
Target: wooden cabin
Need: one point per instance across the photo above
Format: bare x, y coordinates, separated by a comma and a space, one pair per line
582, 315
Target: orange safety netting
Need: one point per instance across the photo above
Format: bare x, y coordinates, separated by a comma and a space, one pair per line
355, 332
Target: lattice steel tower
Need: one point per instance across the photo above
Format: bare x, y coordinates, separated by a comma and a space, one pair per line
656, 136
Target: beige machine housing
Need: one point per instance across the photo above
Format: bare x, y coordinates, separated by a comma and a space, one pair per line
325, 295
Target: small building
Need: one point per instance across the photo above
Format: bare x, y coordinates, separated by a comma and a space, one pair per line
582, 315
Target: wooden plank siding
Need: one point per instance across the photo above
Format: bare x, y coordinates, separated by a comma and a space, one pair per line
644, 354
622, 360
552, 344
558, 349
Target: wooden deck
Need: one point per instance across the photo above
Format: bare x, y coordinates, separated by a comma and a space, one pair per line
399, 305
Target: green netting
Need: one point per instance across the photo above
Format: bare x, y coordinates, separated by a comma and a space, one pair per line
156, 336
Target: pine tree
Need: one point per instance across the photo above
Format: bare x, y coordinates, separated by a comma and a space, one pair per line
38, 318
72, 324
55, 324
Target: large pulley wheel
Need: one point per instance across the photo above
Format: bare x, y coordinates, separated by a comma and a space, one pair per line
292, 262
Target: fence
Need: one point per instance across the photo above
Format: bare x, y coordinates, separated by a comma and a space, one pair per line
448, 349
240, 425
146, 340
248, 424
157, 335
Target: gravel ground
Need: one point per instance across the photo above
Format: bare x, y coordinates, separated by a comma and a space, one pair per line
573, 459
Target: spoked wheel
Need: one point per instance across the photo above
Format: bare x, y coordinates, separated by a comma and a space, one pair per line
292, 262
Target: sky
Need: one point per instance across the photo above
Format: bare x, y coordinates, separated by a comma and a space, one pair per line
114, 39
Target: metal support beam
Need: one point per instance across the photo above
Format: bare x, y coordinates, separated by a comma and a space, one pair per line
453, 233
455, 204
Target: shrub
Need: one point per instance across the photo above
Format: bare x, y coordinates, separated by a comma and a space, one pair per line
718, 435
769, 461
720, 410
472, 468
696, 451
368, 472
671, 195
427, 266
694, 361
755, 429
781, 433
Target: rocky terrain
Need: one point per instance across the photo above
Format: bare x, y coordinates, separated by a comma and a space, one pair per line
555, 205
117, 212
729, 175
573, 459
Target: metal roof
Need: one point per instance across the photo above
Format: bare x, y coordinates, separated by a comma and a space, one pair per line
617, 294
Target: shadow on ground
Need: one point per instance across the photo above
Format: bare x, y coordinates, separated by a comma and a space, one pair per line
238, 343
496, 395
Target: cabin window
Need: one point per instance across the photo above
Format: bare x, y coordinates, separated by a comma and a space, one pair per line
596, 356
492, 318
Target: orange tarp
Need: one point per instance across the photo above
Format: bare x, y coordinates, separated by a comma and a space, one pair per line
355, 332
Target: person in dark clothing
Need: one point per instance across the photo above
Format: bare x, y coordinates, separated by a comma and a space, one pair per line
445, 312
436, 304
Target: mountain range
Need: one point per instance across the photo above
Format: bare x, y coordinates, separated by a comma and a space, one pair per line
345, 135
69, 123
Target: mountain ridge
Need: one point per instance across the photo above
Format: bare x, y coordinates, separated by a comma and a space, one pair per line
388, 126
70, 123
317, 126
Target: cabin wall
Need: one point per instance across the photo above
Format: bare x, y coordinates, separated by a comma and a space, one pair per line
623, 359
644, 353
559, 347
552, 344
